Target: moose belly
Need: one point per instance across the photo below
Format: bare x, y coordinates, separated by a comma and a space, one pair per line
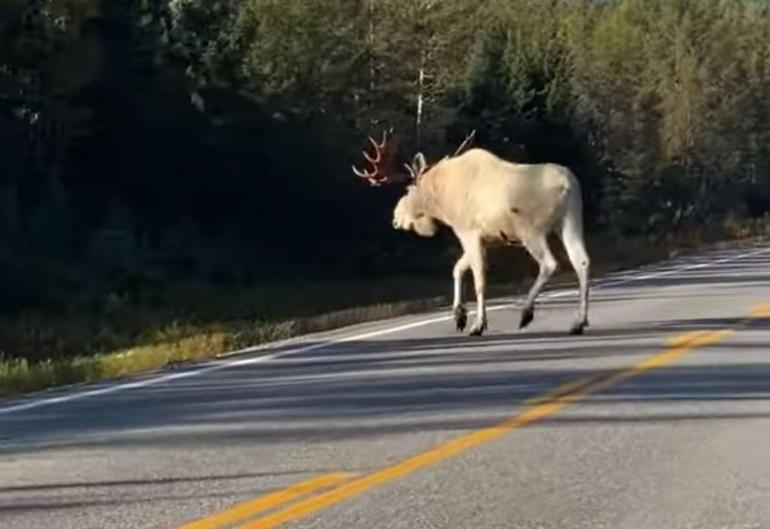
502, 230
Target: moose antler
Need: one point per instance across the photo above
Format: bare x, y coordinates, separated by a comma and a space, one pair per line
379, 161
467, 141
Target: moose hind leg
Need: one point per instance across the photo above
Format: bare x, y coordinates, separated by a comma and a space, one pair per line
572, 237
458, 308
540, 252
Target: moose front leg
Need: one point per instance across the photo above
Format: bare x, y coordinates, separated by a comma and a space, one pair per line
474, 252
458, 308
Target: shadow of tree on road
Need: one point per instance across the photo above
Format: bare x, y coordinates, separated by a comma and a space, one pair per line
390, 387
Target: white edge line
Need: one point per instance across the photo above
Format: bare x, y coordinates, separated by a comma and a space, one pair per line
218, 366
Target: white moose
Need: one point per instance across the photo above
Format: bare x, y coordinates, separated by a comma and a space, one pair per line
487, 201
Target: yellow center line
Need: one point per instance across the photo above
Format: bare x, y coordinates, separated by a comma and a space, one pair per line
685, 338
536, 409
699, 339
559, 391
248, 509
761, 311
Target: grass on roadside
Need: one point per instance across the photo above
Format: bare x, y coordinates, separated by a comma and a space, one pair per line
194, 343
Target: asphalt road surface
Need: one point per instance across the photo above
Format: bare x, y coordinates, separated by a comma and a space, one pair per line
659, 417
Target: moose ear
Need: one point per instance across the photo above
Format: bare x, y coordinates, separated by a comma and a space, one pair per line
419, 164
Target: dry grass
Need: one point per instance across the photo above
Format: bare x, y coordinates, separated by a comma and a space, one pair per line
21, 375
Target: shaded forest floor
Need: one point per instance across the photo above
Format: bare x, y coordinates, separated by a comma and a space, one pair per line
195, 322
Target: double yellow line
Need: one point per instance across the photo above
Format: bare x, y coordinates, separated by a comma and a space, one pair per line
249, 509
305, 498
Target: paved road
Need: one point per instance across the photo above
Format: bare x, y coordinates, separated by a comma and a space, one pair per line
412, 426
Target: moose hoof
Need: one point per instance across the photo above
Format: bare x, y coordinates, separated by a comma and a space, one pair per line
461, 318
578, 328
527, 315
478, 329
